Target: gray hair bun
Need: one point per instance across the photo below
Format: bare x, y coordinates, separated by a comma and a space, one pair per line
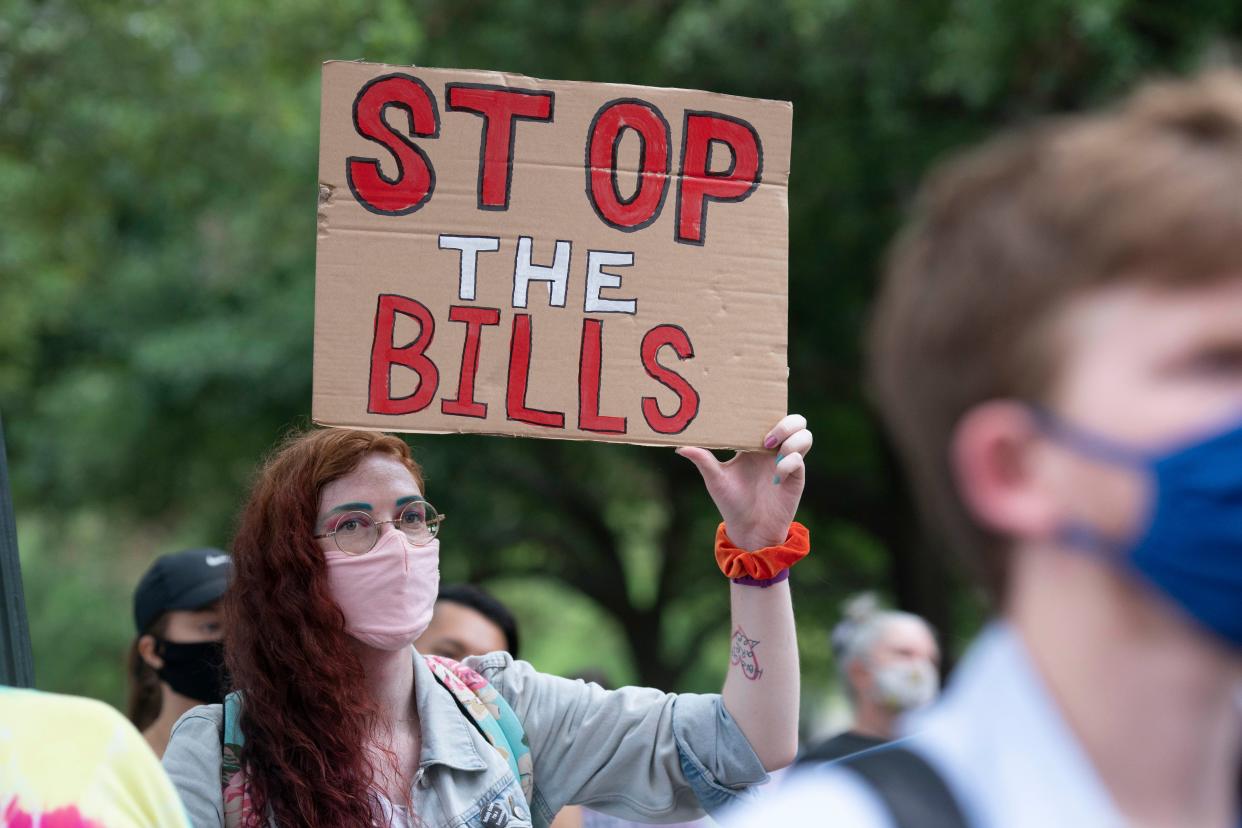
858, 611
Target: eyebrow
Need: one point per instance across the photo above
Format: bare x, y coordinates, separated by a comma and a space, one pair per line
366, 507
350, 507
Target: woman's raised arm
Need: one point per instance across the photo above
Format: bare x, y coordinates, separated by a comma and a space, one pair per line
757, 494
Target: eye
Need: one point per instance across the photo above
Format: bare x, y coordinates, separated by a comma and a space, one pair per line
1219, 361
353, 522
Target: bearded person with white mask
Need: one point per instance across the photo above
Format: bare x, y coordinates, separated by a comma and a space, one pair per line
890, 664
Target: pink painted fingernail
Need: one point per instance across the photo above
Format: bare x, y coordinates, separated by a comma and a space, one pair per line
770, 442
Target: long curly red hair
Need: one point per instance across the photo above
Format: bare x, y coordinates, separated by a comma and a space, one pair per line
306, 712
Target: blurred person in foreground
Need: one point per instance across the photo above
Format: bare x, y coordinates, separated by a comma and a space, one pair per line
468, 621
176, 661
1058, 353
337, 720
890, 664
67, 762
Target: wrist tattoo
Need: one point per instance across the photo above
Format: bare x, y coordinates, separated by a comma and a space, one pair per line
743, 655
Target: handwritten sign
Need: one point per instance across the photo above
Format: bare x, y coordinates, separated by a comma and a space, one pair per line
508, 255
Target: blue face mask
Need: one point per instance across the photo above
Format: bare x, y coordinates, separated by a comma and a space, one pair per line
1190, 548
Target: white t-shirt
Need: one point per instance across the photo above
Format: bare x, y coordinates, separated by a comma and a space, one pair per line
996, 737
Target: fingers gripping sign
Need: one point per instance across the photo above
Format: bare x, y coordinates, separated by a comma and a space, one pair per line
757, 492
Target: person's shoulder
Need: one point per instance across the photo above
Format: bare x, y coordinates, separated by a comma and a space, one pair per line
16, 701
79, 752
521, 685
488, 662
499, 668
213, 713
816, 794
87, 719
193, 761
202, 724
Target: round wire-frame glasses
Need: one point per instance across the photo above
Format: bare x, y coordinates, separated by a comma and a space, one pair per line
356, 533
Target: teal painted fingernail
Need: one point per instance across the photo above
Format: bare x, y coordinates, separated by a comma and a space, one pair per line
778, 457
776, 480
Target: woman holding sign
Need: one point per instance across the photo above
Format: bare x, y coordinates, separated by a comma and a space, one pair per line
337, 721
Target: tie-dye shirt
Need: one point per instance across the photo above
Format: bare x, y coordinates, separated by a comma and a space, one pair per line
68, 762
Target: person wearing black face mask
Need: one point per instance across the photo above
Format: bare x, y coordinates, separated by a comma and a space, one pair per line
176, 660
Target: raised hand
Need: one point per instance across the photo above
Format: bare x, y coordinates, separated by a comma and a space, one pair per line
757, 492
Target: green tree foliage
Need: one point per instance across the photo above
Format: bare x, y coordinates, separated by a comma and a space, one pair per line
157, 190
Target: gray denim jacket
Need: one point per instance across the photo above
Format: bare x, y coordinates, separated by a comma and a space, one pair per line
636, 753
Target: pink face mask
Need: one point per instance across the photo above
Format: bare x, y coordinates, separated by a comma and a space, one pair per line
388, 594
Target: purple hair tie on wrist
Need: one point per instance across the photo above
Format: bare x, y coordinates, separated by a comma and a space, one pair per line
783, 575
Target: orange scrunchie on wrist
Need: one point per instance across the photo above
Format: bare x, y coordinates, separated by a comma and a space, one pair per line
761, 564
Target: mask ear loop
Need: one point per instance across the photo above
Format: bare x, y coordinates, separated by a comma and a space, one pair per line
1089, 541
1081, 536
1086, 443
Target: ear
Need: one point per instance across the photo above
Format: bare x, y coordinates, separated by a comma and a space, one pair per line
146, 649
859, 676
995, 456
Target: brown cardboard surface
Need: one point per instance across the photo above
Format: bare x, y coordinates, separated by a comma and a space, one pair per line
728, 293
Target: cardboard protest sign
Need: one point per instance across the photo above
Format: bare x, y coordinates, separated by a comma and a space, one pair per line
508, 255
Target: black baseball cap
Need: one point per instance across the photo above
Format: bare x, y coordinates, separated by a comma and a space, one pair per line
185, 580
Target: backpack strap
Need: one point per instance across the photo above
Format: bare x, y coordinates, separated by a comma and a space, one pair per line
232, 780
914, 793
490, 714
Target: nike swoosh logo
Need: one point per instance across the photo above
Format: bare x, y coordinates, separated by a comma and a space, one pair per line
216, 560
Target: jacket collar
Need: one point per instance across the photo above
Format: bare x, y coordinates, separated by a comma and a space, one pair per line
447, 738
